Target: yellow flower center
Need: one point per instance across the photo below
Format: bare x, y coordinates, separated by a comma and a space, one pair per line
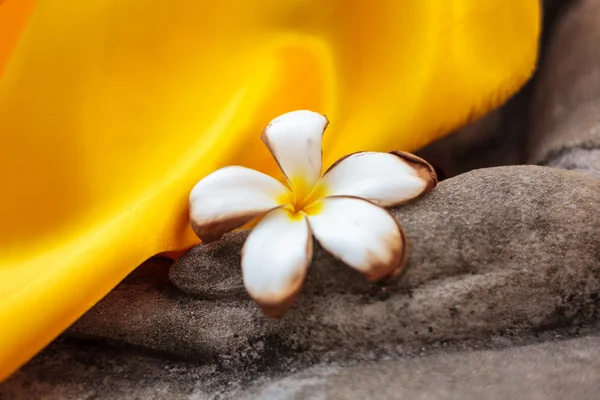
305, 199
302, 201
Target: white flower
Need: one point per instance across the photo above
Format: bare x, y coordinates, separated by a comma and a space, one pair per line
341, 208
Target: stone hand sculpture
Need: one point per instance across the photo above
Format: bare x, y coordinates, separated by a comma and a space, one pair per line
497, 257
500, 250
496, 251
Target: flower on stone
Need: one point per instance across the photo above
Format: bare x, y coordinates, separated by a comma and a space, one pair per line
342, 209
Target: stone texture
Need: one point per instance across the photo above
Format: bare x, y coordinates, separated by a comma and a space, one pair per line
548, 368
556, 370
494, 251
585, 160
565, 116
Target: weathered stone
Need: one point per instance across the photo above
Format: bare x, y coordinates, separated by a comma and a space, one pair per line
556, 370
501, 250
565, 118
577, 159
544, 368
213, 271
217, 265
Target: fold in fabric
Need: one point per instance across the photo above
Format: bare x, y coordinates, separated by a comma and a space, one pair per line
111, 111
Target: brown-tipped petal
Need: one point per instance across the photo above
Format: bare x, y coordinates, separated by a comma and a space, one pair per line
275, 259
385, 179
294, 139
364, 236
423, 168
230, 197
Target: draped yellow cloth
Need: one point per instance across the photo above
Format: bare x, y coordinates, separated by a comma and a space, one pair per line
111, 110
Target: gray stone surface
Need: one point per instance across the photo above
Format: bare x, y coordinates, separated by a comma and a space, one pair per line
578, 159
565, 116
548, 368
556, 370
493, 251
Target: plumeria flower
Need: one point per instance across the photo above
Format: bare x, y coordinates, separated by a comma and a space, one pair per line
342, 209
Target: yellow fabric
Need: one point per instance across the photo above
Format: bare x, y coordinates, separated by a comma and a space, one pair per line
111, 110
13, 17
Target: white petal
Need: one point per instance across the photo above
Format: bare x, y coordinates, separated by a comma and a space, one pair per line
295, 139
230, 197
361, 234
386, 179
275, 258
